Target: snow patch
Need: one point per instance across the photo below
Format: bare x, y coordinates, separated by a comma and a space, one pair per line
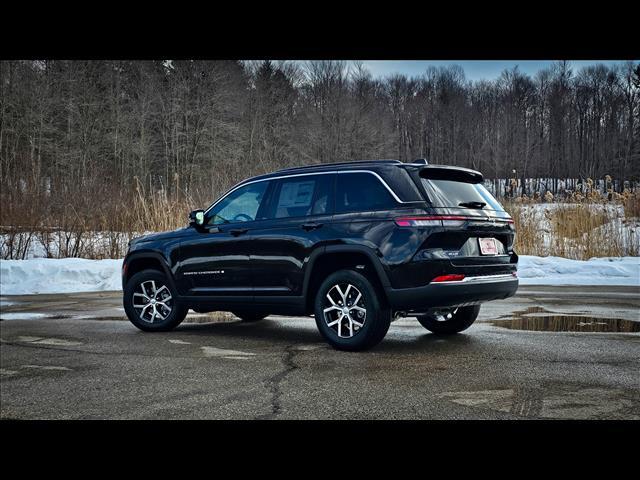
64, 275
534, 270
67, 275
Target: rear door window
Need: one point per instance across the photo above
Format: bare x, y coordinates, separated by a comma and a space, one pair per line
302, 196
449, 193
362, 192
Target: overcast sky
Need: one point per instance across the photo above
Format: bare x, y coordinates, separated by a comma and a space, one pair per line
473, 69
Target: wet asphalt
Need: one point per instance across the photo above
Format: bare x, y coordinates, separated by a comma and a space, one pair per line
80, 359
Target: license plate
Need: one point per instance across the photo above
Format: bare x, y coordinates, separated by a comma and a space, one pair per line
488, 246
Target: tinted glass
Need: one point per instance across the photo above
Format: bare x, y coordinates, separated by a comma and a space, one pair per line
361, 192
448, 193
239, 206
302, 196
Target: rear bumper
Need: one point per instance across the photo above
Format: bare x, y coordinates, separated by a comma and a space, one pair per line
471, 290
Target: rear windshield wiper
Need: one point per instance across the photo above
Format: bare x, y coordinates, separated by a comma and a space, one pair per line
477, 205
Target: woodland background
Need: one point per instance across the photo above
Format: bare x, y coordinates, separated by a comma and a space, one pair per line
125, 146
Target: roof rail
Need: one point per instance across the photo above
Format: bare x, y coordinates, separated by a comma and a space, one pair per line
421, 161
339, 164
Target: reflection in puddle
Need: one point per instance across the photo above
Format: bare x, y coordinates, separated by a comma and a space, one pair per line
6, 303
541, 320
191, 318
211, 317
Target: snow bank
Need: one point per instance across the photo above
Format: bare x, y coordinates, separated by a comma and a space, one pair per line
63, 275
534, 270
48, 275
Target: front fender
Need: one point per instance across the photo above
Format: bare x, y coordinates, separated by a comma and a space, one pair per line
158, 258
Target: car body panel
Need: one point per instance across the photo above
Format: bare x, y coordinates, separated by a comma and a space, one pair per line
281, 249
215, 263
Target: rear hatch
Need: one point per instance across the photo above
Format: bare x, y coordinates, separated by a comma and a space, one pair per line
459, 191
478, 231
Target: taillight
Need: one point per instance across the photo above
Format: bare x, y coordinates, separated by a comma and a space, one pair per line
445, 221
431, 221
452, 277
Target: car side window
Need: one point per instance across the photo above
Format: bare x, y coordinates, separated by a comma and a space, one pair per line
241, 205
361, 192
302, 196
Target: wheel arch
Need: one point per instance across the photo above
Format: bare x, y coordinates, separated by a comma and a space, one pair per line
338, 257
146, 261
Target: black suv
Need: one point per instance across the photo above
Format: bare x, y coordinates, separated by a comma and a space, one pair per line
355, 244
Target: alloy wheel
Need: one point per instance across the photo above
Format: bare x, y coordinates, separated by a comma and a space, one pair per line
155, 301
344, 310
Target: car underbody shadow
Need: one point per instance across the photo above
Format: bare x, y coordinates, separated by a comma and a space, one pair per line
270, 329
287, 331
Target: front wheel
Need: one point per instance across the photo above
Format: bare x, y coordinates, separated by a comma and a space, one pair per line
151, 303
456, 321
348, 313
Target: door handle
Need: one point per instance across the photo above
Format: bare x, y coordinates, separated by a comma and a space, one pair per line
238, 231
311, 226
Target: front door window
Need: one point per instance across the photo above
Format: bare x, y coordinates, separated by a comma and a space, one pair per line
241, 205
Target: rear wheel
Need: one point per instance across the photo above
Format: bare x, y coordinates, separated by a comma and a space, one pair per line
151, 303
451, 322
251, 316
348, 313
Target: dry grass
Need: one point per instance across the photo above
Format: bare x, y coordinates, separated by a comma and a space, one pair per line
529, 235
89, 227
101, 227
157, 211
591, 228
631, 204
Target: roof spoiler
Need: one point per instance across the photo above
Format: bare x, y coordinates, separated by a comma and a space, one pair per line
456, 174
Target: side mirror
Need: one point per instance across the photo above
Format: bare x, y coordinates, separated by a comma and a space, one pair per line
196, 217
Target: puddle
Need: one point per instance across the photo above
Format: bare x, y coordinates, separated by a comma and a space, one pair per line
215, 317
22, 316
541, 320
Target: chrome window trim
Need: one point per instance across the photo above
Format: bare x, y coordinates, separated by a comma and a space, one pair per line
339, 172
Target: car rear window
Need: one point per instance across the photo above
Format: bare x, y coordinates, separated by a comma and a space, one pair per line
449, 193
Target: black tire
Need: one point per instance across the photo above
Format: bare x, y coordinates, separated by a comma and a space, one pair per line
134, 285
251, 316
459, 321
377, 316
